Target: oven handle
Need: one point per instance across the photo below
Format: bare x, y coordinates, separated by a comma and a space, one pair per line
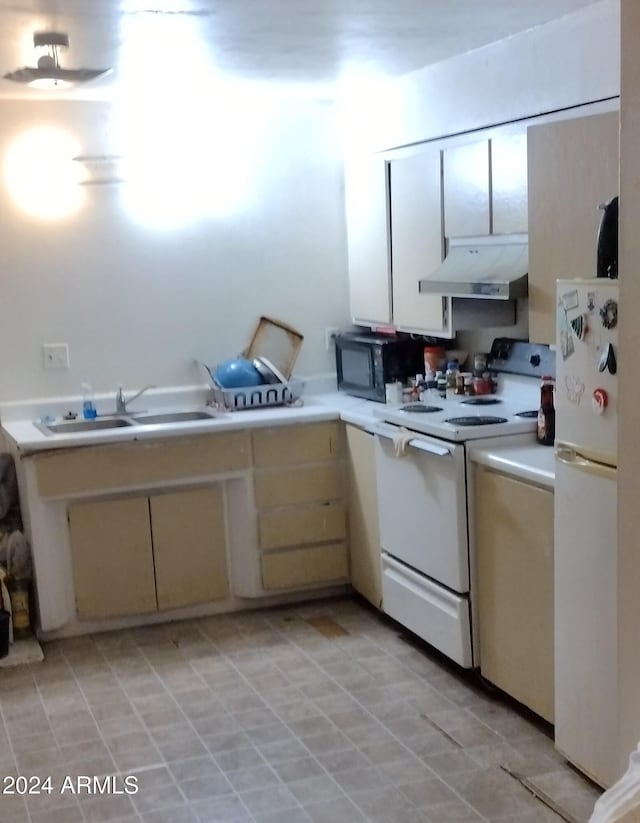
390, 432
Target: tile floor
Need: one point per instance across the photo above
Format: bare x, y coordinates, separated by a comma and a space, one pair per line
264, 717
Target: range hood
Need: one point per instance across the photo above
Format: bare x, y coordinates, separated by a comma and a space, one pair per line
491, 267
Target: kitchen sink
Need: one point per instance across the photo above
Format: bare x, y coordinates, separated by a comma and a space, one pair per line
73, 426
171, 417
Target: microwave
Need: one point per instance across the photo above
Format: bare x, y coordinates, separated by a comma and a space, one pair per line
366, 362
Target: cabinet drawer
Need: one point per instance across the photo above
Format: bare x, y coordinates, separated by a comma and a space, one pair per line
288, 445
299, 567
134, 464
305, 524
307, 484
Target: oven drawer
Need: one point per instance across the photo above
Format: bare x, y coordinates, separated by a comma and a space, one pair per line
432, 612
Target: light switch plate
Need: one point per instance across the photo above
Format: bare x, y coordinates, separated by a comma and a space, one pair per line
55, 355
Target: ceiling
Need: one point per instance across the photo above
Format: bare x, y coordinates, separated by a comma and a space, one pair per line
286, 41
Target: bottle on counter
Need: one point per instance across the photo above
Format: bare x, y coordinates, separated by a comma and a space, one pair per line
451, 376
441, 383
546, 431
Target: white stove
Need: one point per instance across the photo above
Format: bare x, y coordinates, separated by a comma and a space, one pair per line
424, 511
471, 418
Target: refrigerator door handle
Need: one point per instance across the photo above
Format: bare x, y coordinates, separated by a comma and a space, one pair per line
571, 458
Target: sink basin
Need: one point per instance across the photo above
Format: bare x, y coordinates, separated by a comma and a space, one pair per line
172, 417
71, 426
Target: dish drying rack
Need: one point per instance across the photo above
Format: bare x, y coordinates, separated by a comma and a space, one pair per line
254, 397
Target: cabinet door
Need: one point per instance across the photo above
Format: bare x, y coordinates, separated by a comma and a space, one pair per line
189, 547
572, 168
466, 190
364, 536
515, 588
509, 184
112, 557
415, 185
367, 212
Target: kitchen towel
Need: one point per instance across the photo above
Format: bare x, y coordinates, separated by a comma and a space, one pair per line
401, 441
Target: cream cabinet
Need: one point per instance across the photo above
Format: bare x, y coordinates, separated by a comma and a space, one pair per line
515, 587
404, 203
298, 489
364, 536
368, 239
134, 555
466, 190
415, 186
509, 201
572, 168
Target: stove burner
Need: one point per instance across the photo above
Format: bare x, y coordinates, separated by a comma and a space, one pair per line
420, 408
531, 413
481, 401
475, 420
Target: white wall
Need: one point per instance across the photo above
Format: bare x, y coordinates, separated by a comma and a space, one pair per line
137, 304
563, 63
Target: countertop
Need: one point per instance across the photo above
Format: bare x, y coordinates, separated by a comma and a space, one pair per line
527, 461
532, 463
18, 419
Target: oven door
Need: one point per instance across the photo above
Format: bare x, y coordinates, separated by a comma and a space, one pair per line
422, 506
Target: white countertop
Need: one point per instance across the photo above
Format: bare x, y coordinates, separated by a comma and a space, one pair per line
532, 463
18, 421
529, 462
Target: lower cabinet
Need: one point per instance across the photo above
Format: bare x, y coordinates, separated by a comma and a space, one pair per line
298, 491
364, 535
514, 542
135, 555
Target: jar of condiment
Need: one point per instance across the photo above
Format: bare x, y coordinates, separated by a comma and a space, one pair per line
460, 383
451, 376
467, 378
434, 357
479, 363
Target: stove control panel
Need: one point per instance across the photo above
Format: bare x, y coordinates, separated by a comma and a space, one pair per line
511, 356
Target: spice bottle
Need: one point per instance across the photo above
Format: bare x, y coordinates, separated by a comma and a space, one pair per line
451, 376
546, 431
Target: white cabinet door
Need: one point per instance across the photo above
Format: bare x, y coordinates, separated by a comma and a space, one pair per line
366, 201
466, 190
509, 207
415, 185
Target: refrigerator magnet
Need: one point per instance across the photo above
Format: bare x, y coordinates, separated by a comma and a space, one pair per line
591, 300
570, 300
579, 326
564, 333
609, 314
575, 388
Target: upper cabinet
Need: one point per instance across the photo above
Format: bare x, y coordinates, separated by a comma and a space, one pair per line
368, 241
415, 187
509, 207
466, 190
403, 205
572, 168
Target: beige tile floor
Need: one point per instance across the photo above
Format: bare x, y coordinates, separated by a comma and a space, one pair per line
260, 717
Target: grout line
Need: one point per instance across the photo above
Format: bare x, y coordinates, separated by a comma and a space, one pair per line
540, 795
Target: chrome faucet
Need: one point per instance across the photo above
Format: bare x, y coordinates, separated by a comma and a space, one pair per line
121, 402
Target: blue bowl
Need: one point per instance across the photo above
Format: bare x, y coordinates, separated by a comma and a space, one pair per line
237, 373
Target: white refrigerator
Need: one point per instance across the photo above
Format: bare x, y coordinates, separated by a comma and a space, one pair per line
586, 663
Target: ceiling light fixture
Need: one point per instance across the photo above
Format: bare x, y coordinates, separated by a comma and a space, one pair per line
49, 74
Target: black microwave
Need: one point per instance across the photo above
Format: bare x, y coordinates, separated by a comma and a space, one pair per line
366, 362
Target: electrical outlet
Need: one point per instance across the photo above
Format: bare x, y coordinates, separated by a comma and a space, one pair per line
55, 355
329, 337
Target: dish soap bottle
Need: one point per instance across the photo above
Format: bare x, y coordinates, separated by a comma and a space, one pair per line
88, 406
546, 431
